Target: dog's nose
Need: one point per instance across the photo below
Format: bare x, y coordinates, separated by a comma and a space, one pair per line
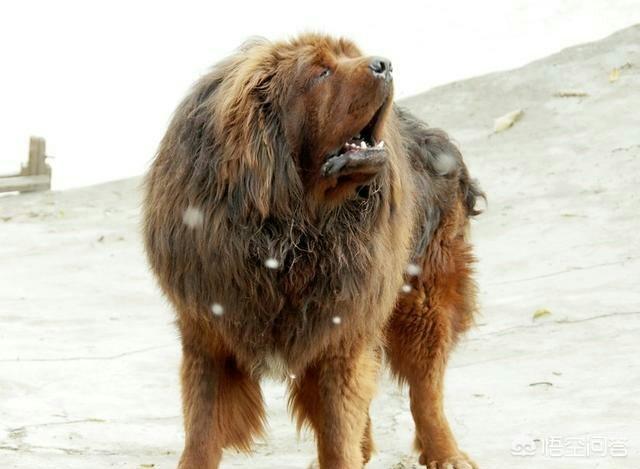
381, 67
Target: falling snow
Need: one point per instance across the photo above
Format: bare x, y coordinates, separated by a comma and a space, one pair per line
272, 263
414, 270
192, 217
217, 309
292, 376
445, 163
406, 288
336, 319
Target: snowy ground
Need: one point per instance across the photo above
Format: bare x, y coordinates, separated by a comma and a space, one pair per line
89, 355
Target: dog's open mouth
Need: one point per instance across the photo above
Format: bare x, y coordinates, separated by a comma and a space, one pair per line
362, 153
365, 139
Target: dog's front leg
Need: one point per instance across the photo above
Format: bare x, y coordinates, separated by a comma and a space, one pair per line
222, 405
334, 396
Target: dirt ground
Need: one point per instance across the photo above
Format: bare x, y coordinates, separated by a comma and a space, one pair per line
550, 377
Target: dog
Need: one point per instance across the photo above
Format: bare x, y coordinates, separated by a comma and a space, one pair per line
304, 226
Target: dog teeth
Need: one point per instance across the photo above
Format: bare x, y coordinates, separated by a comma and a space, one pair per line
363, 145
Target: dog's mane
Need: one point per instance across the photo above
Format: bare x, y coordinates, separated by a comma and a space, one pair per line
226, 154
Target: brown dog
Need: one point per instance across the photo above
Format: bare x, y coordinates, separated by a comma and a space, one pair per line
285, 203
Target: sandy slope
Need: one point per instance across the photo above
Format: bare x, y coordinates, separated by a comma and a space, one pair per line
89, 357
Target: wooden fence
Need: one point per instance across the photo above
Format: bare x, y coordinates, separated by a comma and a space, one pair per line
34, 176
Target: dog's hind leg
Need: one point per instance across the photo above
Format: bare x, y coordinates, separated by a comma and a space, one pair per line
418, 349
420, 335
222, 407
333, 397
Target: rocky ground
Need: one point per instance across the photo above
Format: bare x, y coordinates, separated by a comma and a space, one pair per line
549, 378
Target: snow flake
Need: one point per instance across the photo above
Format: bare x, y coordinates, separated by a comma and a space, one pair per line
413, 270
217, 309
445, 163
192, 217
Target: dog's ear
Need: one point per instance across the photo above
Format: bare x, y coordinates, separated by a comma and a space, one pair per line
255, 159
230, 129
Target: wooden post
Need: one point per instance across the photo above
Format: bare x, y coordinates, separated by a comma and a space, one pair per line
35, 175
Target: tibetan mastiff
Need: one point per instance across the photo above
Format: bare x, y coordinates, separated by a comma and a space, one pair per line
304, 226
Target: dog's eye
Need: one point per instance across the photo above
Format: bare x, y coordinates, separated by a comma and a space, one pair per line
326, 71
319, 77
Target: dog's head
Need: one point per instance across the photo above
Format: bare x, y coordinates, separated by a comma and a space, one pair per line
299, 119
334, 111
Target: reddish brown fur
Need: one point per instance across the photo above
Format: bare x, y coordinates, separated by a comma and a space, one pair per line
424, 328
245, 148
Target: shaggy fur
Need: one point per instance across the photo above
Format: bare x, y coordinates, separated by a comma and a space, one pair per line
282, 255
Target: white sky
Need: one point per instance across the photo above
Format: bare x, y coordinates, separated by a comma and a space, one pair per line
99, 80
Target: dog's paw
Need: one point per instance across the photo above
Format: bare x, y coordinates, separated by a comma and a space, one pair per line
455, 462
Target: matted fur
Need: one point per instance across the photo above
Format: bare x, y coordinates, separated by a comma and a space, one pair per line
243, 153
